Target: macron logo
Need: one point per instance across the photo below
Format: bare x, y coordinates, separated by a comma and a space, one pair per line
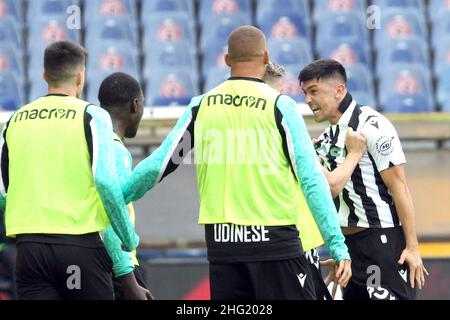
301, 278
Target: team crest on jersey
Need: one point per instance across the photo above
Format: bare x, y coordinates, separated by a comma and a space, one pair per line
384, 145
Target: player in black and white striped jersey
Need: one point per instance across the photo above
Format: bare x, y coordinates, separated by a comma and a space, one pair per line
371, 195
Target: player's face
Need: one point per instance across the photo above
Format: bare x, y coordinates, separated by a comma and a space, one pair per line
136, 117
322, 98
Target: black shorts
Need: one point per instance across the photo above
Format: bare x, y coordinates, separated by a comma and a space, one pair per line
140, 278
322, 293
375, 272
263, 280
50, 271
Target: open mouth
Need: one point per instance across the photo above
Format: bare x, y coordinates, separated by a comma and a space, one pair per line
315, 109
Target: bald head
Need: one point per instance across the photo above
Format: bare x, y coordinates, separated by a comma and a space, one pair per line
246, 44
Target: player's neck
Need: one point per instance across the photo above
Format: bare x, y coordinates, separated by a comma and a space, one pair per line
70, 91
119, 128
248, 70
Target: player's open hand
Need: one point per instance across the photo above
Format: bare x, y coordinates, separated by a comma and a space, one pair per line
417, 270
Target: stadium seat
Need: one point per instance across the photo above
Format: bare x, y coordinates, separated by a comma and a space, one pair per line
94, 9
346, 52
10, 32
111, 57
171, 26
291, 86
11, 8
344, 27
214, 56
215, 76
323, 8
406, 88
213, 8
279, 8
290, 52
290, 25
411, 50
442, 57
169, 55
440, 28
11, 92
51, 9
170, 87
151, 6
216, 29
112, 28
42, 32
436, 7
400, 24
10, 60
386, 4
38, 88
443, 89
360, 84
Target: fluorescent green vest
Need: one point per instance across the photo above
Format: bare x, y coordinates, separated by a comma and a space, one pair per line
51, 185
243, 176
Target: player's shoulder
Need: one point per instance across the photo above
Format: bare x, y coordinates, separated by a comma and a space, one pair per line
370, 116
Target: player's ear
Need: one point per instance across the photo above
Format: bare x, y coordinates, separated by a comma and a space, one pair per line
227, 60
340, 90
266, 57
134, 105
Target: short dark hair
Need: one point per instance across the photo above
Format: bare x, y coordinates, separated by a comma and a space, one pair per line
62, 59
323, 69
117, 90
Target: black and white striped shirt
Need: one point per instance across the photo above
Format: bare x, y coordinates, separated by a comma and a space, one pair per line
365, 200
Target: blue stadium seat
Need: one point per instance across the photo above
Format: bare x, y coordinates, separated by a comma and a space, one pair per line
48, 8
170, 87
266, 8
360, 84
290, 25
290, 52
402, 23
346, 52
9, 31
443, 90
214, 56
406, 88
386, 4
42, 32
291, 86
213, 8
38, 88
171, 26
94, 9
112, 57
11, 92
442, 57
440, 28
215, 76
10, 60
11, 8
216, 29
411, 50
112, 28
436, 7
151, 6
345, 27
323, 8
169, 55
